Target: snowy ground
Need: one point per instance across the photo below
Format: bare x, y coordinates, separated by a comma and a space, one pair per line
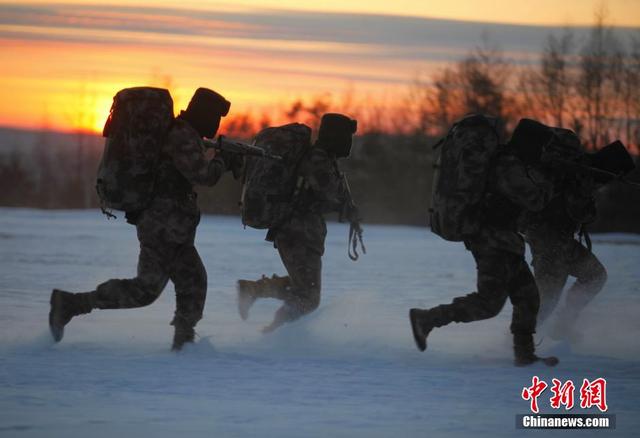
350, 369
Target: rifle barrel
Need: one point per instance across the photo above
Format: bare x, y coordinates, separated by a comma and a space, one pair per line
237, 147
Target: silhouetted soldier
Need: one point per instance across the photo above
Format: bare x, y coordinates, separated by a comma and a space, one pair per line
551, 234
166, 229
489, 230
300, 240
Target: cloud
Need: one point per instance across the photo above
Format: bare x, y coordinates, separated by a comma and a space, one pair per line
312, 33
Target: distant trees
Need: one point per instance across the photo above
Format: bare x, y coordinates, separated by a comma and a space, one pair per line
16, 181
591, 86
547, 90
476, 84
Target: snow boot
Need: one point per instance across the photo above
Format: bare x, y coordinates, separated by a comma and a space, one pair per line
524, 350
423, 321
249, 291
246, 297
184, 333
66, 305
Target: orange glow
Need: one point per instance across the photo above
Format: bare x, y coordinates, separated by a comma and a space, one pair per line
63, 62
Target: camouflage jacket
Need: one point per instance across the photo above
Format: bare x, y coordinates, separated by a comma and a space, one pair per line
322, 192
513, 188
183, 163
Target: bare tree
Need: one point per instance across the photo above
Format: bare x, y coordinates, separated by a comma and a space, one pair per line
478, 83
596, 83
630, 92
548, 89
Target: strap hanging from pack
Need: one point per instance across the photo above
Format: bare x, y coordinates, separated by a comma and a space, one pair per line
355, 238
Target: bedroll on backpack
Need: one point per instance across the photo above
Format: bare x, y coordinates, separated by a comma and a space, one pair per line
462, 167
270, 185
140, 119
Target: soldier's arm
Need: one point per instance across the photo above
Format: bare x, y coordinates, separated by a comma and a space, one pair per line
523, 186
322, 177
188, 154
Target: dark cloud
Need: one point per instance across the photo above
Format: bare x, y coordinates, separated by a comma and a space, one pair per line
382, 36
379, 50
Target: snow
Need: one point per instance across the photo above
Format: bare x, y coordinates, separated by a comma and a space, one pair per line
349, 369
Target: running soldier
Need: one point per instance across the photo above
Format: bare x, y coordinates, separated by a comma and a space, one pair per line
486, 222
166, 228
300, 239
551, 235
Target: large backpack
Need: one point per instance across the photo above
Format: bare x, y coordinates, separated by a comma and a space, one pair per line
139, 121
462, 166
270, 185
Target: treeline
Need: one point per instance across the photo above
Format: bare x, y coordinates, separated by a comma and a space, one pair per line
590, 86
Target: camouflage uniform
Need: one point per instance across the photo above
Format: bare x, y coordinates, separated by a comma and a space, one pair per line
300, 241
498, 250
166, 231
558, 255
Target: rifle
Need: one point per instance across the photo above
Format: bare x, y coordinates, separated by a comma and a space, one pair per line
237, 147
350, 212
595, 171
240, 149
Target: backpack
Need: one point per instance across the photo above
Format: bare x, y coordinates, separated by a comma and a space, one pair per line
270, 185
139, 120
462, 166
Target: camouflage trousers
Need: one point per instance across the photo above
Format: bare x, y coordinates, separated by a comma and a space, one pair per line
166, 231
554, 260
501, 275
304, 266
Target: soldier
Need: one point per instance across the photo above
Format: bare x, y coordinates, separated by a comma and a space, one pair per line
300, 241
166, 229
551, 235
513, 186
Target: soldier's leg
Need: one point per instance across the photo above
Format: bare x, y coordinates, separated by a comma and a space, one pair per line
113, 294
142, 290
302, 296
190, 281
551, 273
493, 274
591, 276
524, 296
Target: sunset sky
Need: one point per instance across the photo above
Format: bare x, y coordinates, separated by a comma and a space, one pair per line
63, 61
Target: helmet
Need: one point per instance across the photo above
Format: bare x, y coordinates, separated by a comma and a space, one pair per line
335, 133
205, 110
529, 139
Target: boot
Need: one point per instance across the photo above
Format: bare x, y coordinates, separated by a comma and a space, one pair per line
524, 351
249, 291
246, 297
66, 305
423, 321
184, 333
